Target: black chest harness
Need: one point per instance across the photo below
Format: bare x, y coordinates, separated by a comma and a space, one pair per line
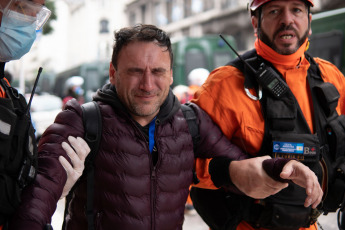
18, 154
288, 135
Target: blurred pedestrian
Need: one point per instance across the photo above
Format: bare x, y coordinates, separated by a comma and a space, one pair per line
74, 89
196, 78
182, 93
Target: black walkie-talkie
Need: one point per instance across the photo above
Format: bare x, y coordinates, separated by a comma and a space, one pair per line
266, 76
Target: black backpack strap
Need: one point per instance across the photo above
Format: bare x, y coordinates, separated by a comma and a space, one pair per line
193, 127
92, 122
93, 130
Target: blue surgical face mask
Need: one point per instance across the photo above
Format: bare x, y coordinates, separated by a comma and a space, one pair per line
17, 34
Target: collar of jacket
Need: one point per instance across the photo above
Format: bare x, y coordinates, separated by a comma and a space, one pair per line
109, 96
272, 56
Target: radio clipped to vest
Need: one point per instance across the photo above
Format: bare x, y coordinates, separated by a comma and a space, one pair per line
266, 76
18, 155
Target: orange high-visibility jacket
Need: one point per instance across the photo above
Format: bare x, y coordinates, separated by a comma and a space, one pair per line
240, 118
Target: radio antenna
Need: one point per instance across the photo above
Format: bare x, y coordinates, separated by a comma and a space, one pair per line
33, 90
239, 56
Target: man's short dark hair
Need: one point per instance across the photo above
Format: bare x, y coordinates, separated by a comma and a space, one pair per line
142, 33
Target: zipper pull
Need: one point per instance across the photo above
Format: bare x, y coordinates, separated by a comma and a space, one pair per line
153, 173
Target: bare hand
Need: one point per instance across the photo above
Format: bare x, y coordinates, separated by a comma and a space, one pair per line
306, 178
250, 177
77, 154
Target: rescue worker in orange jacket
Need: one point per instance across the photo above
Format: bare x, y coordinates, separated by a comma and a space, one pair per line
19, 20
282, 28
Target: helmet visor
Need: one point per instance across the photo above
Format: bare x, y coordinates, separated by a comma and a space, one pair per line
29, 10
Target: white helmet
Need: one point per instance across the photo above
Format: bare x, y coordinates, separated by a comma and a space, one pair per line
74, 81
198, 76
74, 84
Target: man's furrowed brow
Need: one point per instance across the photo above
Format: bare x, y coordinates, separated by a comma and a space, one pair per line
159, 70
135, 70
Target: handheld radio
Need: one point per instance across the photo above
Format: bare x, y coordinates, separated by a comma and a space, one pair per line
266, 76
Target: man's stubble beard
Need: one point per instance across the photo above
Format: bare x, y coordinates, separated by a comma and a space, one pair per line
265, 39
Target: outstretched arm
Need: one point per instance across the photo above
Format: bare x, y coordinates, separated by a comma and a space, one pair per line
250, 177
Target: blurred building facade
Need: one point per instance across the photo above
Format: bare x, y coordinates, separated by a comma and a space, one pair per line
198, 17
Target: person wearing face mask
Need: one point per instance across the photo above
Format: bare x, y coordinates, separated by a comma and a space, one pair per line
19, 21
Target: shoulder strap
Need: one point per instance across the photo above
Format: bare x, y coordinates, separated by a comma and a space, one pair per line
92, 121
93, 130
251, 58
193, 127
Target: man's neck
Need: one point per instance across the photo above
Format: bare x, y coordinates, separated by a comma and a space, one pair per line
143, 121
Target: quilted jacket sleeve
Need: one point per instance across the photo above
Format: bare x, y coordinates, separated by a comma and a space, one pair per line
213, 144
40, 198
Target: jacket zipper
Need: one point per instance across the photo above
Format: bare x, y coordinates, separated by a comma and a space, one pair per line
154, 182
153, 177
153, 197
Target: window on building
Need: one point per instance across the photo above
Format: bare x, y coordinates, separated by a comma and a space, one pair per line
208, 4
169, 10
104, 24
143, 13
197, 6
229, 3
193, 7
132, 18
188, 8
160, 17
177, 10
